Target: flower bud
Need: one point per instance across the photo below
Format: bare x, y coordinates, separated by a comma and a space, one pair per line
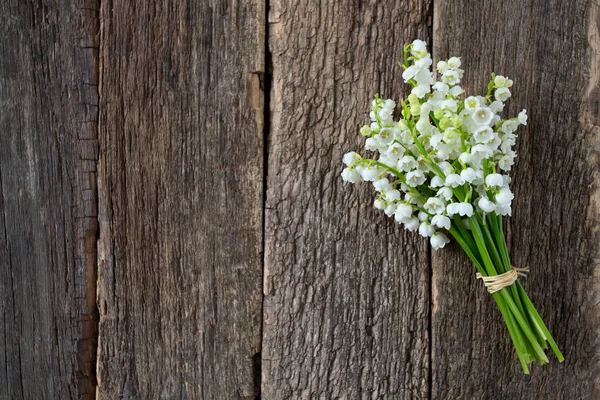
415, 109
445, 123
438, 113
413, 99
366, 130
457, 121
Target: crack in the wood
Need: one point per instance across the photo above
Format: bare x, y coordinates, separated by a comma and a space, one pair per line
266, 82
95, 317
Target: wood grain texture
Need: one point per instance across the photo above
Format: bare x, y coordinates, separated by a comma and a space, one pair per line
346, 308
551, 51
180, 183
48, 223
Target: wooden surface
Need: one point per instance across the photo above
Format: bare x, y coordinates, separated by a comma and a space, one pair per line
551, 51
181, 186
232, 262
346, 307
48, 225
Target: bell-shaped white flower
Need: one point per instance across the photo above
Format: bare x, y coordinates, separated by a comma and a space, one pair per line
436, 182
434, 205
351, 158
506, 162
351, 175
471, 103
445, 193
454, 180
371, 173
385, 137
439, 240
421, 90
486, 205
453, 62
426, 229
446, 167
412, 224
504, 197
392, 195
468, 175
503, 209
403, 212
497, 106
380, 204
371, 144
390, 209
482, 116
442, 67
502, 94
407, 163
463, 209
483, 134
522, 118
456, 91
442, 88
441, 221
382, 185
415, 178
409, 73
494, 180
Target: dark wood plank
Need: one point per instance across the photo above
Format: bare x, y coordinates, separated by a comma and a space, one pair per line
346, 307
551, 51
48, 223
180, 183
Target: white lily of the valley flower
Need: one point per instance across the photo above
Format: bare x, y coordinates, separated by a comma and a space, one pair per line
351, 158
471, 103
454, 180
486, 205
351, 175
439, 240
436, 182
522, 117
463, 209
403, 212
482, 116
494, 180
426, 229
445, 193
412, 224
390, 209
441, 221
407, 163
380, 204
502, 94
415, 178
434, 205
504, 197
468, 175
382, 185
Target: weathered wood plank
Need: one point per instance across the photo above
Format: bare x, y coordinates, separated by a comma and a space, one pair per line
48, 224
346, 307
551, 51
180, 183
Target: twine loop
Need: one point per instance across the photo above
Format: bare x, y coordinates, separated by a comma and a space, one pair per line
498, 282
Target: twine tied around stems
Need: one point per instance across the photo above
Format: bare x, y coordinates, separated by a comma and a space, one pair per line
498, 282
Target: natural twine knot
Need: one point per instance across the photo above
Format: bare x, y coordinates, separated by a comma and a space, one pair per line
498, 282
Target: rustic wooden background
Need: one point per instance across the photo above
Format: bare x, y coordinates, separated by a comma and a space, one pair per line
173, 223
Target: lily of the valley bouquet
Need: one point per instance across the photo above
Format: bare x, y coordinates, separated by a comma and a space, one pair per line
441, 169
